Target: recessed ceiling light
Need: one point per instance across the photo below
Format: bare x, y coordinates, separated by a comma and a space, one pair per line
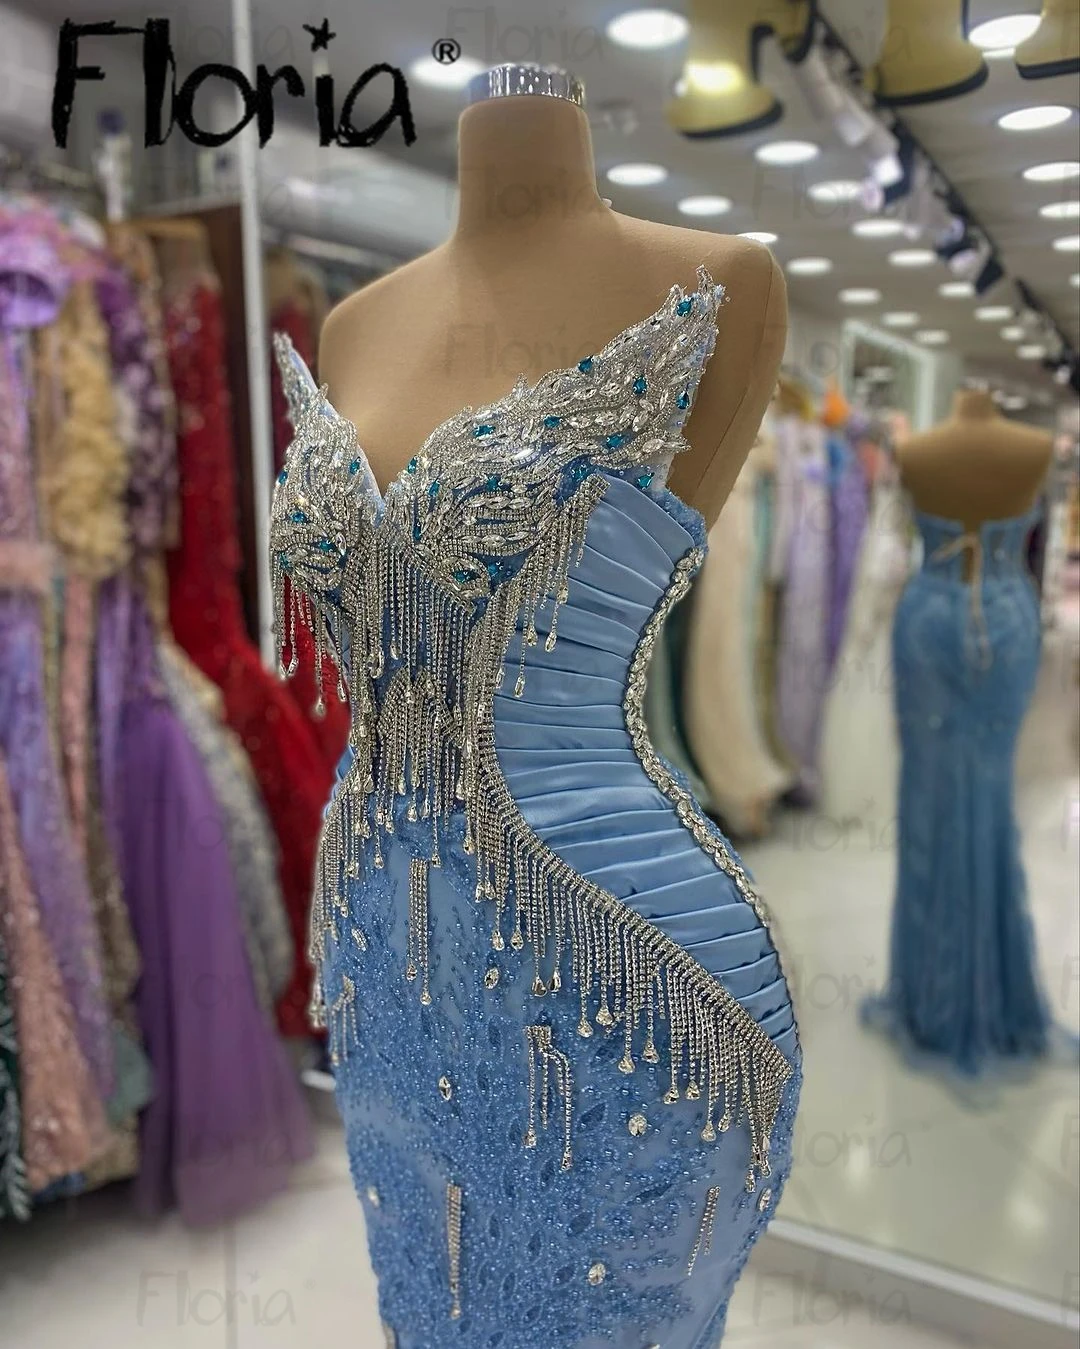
1074, 280
1061, 210
912, 257
759, 236
786, 152
809, 266
647, 28
877, 227
1069, 244
705, 205
456, 75
999, 53
1014, 402
1033, 351
860, 295
1058, 171
993, 313
835, 191
900, 318
956, 290
1034, 119
932, 337
1014, 332
636, 175
1007, 31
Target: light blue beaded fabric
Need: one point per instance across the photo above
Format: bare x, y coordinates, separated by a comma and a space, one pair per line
565, 1052
963, 982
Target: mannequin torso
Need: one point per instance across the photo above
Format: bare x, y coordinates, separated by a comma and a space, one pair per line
539, 273
976, 465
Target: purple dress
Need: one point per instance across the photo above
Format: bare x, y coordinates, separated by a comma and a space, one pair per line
801, 562
228, 1120
32, 284
849, 504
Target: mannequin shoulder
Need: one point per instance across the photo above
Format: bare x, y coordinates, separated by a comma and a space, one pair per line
361, 321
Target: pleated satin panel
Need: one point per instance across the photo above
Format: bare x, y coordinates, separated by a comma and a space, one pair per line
571, 765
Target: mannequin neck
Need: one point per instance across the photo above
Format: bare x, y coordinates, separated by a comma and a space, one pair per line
972, 403
525, 166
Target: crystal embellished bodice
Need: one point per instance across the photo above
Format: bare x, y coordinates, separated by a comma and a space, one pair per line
493, 643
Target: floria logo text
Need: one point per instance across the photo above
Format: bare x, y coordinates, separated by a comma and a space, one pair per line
257, 101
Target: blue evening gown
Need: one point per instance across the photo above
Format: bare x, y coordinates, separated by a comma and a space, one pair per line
963, 984
565, 1052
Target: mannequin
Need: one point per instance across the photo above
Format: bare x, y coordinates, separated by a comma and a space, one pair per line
976, 465
538, 273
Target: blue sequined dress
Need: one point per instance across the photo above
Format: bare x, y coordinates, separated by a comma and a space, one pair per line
565, 1052
963, 984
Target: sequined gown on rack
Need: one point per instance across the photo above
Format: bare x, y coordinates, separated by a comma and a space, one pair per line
963, 982
565, 1052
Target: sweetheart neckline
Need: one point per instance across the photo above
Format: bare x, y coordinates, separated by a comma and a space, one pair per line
520, 389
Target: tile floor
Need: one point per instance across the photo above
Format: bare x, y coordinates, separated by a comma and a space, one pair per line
884, 1154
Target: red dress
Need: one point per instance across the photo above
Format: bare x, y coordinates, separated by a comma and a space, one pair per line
331, 727
207, 620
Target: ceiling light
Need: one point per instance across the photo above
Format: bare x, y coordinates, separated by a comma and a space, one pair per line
877, 227
835, 191
759, 236
809, 266
1059, 171
1069, 244
932, 337
705, 205
1074, 280
993, 313
1014, 332
912, 257
714, 78
900, 318
860, 295
1061, 210
1033, 351
456, 75
647, 28
956, 290
1014, 402
636, 175
1034, 119
786, 152
1008, 31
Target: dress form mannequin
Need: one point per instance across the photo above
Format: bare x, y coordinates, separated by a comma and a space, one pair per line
537, 274
976, 465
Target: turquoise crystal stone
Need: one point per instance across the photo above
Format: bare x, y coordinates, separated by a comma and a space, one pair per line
325, 546
354, 467
283, 476
493, 483
684, 306
585, 366
644, 479
298, 517
552, 421
433, 489
683, 400
484, 429
412, 465
580, 470
618, 440
639, 385
493, 570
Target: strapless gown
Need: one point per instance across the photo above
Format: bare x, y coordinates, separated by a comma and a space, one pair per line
963, 983
565, 1052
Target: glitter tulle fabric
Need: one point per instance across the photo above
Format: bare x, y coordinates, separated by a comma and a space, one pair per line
565, 1051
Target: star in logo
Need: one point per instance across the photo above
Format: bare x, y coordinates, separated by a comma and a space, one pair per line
321, 37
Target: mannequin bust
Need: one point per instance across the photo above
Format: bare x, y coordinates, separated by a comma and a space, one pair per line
976, 465
538, 273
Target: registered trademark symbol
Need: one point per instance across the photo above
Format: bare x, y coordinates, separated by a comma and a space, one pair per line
446, 51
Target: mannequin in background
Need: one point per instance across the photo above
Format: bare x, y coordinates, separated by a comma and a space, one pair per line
537, 274
976, 465
963, 983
